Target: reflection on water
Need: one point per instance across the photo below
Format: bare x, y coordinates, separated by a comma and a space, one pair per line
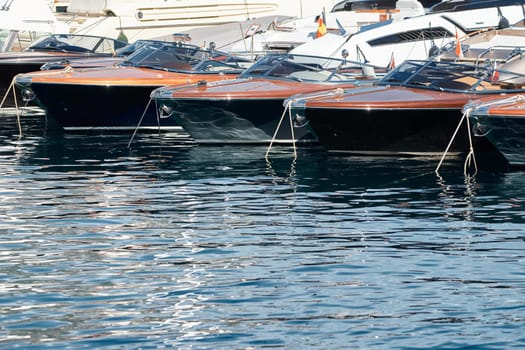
168, 244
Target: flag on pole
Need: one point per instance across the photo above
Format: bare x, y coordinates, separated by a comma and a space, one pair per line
392, 63
459, 50
495, 74
321, 27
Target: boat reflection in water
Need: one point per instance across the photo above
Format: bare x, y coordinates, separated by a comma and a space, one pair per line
250, 109
414, 109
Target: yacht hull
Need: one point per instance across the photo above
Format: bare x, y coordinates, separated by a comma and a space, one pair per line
390, 121
230, 121
85, 107
504, 126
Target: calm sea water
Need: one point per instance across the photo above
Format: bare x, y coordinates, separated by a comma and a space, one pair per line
170, 245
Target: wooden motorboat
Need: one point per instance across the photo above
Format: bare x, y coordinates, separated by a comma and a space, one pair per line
413, 110
55, 47
93, 61
502, 122
250, 109
115, 97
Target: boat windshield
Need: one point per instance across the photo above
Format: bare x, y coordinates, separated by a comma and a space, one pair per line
310, 68
77, 43
134, 46
183, 57
449, 76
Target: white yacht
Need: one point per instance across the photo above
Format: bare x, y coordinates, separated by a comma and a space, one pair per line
23, 21
392, 42
345, 18
146, 19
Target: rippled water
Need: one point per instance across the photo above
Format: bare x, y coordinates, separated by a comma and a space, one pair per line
169, 245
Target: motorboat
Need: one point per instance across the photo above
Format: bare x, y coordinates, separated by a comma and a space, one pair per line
24, 21
93, 61
115, 97
56, 47
250, 109
413, 110
421, 36
501, 121
345, 18
147, 19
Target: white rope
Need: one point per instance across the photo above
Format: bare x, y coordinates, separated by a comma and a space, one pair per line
287, 108
471, 157
7, 92
12, 88
17, 111
465, 116
140, 122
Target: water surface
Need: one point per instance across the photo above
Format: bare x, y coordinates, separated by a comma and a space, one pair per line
171, 245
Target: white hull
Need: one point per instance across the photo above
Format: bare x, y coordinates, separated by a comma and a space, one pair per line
411, 38
22, 21
154, 18
295, 32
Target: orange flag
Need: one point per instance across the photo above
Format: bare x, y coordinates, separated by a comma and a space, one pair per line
392, 63
495, 74
321, 27
459, 50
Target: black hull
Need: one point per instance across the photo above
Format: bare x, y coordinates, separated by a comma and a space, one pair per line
392, 132
507, 134
79, 107
248, 121
7, 74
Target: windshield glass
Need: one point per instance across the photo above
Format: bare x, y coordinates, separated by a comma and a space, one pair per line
177, 57
450, 76
310, 68
77, 43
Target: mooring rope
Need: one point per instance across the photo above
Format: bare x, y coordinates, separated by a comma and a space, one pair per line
287, 108
7, 92
17, 110
140, 122
12, 88
470, 157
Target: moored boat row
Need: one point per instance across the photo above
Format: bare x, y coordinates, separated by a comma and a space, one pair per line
330, 99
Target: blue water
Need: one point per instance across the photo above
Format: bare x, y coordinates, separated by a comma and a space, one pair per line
170, 245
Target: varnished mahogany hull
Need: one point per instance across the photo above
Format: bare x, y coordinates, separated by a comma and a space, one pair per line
241, 121
413, 131
12, 64
77, 106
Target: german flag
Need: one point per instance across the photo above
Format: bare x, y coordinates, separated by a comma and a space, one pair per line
321, 27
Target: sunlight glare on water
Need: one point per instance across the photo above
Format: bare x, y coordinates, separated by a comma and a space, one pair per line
168, 244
